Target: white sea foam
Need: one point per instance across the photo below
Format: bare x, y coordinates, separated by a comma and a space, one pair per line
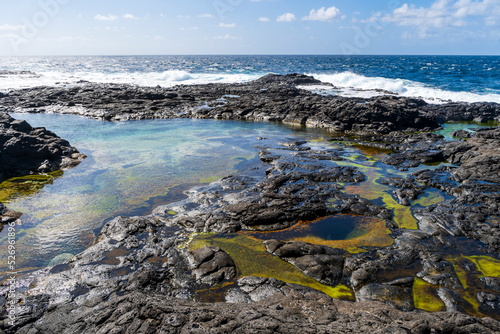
347, 83
163, 79
351, 84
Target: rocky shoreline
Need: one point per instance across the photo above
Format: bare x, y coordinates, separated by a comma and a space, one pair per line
152, 274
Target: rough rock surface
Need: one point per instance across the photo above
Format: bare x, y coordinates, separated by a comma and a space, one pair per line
212, 265
271, 98
322, 263
26, 150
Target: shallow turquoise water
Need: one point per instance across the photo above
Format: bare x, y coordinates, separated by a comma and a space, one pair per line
128, 164
448, 128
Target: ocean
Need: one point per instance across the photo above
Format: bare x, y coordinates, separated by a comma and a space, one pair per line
436, 79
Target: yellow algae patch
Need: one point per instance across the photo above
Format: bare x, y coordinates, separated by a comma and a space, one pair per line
343, 292
487, 265
425, 298
252, 259
431, 198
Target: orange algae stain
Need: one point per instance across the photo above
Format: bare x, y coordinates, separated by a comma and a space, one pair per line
372, 151
371, 190
372, 232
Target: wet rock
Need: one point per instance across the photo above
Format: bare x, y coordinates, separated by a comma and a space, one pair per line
321, 263
400, 297
212, 265
26, 150
461, 134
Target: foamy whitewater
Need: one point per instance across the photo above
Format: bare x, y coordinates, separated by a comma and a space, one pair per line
436, 79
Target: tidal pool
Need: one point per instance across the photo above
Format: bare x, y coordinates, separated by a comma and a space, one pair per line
448, 128
131, 166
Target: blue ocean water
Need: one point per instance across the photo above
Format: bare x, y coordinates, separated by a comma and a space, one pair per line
435, 78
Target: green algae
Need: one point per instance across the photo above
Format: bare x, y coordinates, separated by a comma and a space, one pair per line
425, 297
24, 186
252, 259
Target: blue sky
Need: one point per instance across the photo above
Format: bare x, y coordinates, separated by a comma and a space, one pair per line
131, 27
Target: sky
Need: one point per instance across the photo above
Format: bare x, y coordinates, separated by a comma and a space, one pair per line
170, 27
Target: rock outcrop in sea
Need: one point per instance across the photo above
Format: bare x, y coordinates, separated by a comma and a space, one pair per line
186, 268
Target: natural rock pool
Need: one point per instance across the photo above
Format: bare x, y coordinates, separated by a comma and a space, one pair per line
131, 167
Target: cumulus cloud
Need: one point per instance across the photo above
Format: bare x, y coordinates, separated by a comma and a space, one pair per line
323, 14
129, 16
227, 25
287, 17
109, 17
264, 19
445, 14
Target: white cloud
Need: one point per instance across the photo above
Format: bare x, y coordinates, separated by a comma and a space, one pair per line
287, 17
227, 36
206, 16
109, 17
323, 14
227, 25
189, 28
129, 16
264, 19
444, 13
8, 27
